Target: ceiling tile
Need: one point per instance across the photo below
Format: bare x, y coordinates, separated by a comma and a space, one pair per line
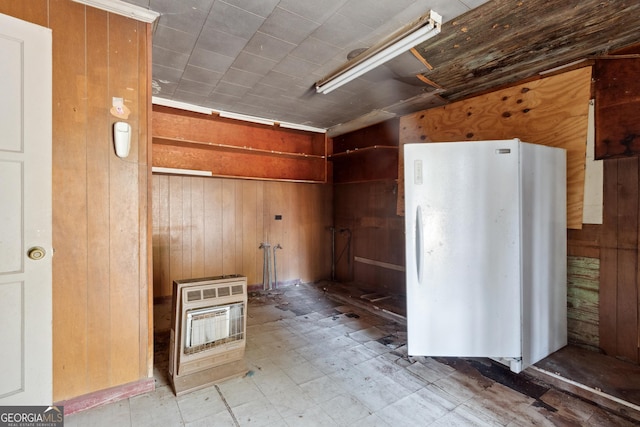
373, 13
201, 75
194, 87
218, 41
314, 11
295, 67
267, 46
184, 15
259, 7
240, 78
169, 58
288, 26
253, 63
315, 51
230, 19
175, 40
213, 61
278, 79
340, 31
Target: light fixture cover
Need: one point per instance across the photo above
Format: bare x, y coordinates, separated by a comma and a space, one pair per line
422, 29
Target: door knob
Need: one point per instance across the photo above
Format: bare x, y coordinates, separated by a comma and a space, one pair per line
36, 253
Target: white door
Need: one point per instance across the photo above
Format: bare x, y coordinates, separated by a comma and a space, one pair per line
25, 214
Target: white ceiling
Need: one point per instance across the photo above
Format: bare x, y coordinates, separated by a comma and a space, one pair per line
262, 57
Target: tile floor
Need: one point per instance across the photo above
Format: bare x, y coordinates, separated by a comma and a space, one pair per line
314, 361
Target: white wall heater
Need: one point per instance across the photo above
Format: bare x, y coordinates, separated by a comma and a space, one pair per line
208, 331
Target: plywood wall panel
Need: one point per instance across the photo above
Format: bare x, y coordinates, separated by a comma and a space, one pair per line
213, 228
124, 206
551, 111
35, 11
197, 227
98, 154
238, 216
70, 234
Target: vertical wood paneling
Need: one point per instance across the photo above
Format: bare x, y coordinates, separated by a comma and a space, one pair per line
609, 259
238, 216
250, 235
124, 231
161, 236
70, 269
187, 227
228, 227
239, 230
619, 332
197, 227
98, 153
213, 229
176, 230
367, 209
35, 11
627, 295
146, 223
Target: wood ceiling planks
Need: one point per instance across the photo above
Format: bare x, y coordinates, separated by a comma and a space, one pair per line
505, 41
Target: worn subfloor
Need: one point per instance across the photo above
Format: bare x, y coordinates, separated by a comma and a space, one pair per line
320, 355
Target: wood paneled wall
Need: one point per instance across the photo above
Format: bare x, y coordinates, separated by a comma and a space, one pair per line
214, 226
100, 216
368, 229
619, 281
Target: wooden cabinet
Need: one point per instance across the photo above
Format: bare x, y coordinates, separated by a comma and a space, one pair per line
233, 148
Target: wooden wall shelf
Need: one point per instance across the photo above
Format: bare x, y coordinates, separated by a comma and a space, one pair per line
185, 140
233, 148
363, 150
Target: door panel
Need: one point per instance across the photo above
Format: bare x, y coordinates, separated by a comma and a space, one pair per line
25, 217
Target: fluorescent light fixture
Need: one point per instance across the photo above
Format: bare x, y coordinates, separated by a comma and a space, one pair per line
252, 119
177, 171
422, 29
296, 126
121, 8
181, 105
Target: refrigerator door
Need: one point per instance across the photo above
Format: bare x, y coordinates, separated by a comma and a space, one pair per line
462, 209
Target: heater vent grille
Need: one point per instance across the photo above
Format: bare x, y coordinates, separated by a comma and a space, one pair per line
209, 293
237, 290
224, 292
214, 326
193, 296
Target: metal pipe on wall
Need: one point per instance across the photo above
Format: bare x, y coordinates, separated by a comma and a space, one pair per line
266, 266
275, 273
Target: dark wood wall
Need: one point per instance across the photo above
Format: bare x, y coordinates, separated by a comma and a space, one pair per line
619, 284
369, 239
101, 266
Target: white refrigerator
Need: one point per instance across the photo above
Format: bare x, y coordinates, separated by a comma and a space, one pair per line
486, 250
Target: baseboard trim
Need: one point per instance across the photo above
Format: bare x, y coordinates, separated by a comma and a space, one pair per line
109, 395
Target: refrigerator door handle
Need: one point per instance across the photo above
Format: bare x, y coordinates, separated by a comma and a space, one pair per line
418, 240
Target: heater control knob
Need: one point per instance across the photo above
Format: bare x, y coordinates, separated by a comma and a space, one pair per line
36, 253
